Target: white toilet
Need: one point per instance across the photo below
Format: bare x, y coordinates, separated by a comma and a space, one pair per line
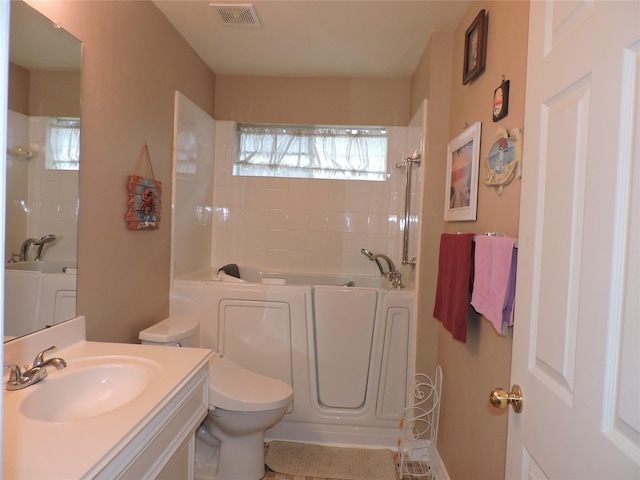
242, 404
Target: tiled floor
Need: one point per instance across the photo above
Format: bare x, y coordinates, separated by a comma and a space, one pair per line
270, 475
417, 467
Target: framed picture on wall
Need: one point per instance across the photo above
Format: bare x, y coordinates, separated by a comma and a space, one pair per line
463, 162
475, 48
501, 101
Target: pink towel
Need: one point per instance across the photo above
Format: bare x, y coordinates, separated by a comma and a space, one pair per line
454, 276
494, 282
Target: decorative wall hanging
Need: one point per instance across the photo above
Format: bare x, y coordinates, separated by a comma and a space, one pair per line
475, 48
461, 193
503, 163
144, 197
501, 100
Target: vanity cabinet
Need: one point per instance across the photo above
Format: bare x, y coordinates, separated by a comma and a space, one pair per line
181, 464
159, 396
165, 448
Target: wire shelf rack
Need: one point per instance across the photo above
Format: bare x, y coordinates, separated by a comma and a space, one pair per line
419, 427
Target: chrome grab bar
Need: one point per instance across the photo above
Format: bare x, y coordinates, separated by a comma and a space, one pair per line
407, 208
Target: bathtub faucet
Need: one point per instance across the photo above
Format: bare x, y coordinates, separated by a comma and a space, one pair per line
24, 249
393, 275
43, 241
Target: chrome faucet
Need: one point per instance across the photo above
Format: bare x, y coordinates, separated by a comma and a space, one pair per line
40, 362
18, 379
372, 258
393, 275
43, 241
31, 375
24, 249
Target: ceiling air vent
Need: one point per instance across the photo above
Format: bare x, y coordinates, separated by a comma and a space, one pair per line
242, 14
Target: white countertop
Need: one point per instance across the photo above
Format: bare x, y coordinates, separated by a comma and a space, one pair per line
35, 449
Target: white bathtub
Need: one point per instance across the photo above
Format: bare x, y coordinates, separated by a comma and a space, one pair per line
38, 294
255, 275
346, 351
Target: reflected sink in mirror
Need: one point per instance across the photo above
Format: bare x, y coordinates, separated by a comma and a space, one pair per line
88, 388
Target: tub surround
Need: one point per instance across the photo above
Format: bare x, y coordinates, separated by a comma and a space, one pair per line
286, 223
140, 438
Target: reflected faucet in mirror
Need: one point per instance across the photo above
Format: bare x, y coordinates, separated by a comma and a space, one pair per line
24, 249
43, 241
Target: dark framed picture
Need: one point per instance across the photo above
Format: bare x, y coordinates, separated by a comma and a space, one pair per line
501, 101
475, 48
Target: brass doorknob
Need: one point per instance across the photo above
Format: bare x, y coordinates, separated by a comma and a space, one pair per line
500, 398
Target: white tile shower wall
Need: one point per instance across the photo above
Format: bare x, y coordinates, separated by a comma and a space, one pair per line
39, 201
305, 224
192, 188
53, 198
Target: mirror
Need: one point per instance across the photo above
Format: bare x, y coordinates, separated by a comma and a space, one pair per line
42, 162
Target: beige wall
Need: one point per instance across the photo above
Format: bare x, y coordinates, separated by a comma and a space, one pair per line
472, 440
55, 94
19, 78
40, 93
334, 101
432, 80
133, 61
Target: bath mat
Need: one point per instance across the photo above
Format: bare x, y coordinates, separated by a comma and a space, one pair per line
330, 462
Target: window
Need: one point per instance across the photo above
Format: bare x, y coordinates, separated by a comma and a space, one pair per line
63, 144
354, 153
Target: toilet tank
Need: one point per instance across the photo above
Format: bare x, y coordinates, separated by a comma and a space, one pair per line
173, 331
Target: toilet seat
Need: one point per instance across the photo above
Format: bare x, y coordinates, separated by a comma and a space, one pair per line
234, 388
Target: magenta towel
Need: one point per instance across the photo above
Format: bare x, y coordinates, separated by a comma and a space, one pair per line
454, 277
494, 282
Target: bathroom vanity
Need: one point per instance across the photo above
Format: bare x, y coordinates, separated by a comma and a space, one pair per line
115, 411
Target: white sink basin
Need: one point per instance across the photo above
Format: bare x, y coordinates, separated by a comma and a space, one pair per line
88, 388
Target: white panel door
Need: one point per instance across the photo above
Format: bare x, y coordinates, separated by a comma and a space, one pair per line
576, 339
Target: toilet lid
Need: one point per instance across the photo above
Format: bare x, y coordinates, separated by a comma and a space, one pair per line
232, 387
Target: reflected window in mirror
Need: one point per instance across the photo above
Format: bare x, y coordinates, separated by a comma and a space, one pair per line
63, 144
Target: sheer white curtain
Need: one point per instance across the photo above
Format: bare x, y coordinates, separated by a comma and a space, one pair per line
63, 144
312, 152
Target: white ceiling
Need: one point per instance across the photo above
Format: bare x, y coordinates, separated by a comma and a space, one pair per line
346, 38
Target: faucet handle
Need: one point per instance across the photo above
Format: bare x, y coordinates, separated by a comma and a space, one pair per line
15, 375
395, 278
19, 380
40, 357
